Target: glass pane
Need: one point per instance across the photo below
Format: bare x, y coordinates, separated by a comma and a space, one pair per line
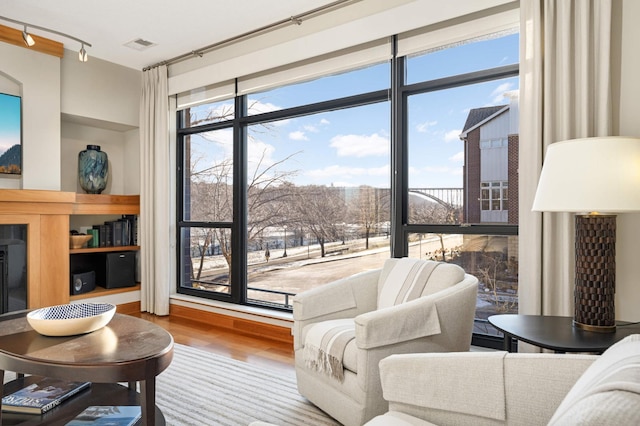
492, 259
318, 192
214, 112
208, 176
463, 58
446, 161
206, 258
363, 80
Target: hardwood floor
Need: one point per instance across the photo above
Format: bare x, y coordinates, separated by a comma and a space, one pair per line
258, 351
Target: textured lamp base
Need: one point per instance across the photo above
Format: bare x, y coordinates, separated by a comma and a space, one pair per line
595, 273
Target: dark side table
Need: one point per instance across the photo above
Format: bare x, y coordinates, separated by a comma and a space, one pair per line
558, 333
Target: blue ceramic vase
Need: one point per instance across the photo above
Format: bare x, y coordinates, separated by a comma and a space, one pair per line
93, 169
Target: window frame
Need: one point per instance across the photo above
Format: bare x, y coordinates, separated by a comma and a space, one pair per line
400, 228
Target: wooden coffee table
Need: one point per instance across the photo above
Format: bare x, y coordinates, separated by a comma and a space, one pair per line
127, 350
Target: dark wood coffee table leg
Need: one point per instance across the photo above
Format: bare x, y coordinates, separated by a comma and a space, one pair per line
507, 342
148, 401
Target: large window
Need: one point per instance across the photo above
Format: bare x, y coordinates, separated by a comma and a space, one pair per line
295, 186
462, 145
305, 186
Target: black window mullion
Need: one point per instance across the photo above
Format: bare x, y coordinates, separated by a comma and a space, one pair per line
239, 229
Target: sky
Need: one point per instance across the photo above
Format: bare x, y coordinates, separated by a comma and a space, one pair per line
9, 121
351, 147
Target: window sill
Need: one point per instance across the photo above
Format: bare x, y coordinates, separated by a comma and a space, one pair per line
252, 313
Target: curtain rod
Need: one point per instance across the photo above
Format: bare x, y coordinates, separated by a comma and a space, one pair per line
296, 19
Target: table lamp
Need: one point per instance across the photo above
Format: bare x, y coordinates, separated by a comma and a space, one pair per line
596, 178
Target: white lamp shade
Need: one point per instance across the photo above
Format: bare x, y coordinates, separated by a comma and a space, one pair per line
599, 174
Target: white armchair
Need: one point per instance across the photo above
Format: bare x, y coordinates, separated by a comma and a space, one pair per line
500, 388
342, 330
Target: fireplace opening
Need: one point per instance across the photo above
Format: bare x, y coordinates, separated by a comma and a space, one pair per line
13, 268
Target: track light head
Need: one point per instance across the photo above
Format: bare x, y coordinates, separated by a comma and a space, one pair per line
82, 54
28, 40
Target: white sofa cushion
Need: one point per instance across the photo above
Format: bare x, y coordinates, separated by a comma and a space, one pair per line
396, 418
608, 392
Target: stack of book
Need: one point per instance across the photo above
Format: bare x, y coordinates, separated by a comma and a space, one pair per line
112, 415
121, 232
41, 396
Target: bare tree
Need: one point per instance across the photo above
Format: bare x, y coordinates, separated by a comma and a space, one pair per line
321, 210
369, 209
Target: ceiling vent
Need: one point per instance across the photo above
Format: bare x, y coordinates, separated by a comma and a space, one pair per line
140, 44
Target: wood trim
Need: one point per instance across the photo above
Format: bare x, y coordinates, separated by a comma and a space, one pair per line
131, 308
101, 291
33, 201
105, 204
43, 45
55, 286
240, 325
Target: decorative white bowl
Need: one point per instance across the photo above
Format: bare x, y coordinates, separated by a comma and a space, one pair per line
71, 319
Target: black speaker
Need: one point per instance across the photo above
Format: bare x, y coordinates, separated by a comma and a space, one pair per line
120, 269
83, 282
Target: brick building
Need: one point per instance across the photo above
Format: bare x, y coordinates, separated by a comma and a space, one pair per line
490, 136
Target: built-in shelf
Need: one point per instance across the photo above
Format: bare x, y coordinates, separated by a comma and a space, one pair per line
101, 291
103, 249
104, 204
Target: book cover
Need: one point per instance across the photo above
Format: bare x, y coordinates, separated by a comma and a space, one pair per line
108, 415
41, 396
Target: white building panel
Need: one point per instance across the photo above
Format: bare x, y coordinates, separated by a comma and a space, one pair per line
494, 149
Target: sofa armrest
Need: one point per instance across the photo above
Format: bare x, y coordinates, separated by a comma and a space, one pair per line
344, 298
417, 318
443, 388
399, 323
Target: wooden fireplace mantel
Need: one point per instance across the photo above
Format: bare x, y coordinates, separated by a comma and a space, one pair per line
46, 214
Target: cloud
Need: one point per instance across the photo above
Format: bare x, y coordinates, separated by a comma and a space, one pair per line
423, 127
438, 169
452, 135
344, 172
257, 107
457, 158
298, 136
498, 92
360, 145
325, 122
311, 128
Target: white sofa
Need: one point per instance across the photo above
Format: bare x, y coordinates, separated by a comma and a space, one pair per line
499, 388
407, 306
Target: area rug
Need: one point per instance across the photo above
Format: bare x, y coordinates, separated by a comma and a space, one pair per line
201, 388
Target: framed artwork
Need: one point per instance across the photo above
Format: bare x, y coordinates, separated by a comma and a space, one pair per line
10, 134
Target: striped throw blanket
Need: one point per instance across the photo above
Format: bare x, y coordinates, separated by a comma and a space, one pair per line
325, 343
406, 280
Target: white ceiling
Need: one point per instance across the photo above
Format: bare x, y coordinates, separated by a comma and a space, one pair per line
175, 26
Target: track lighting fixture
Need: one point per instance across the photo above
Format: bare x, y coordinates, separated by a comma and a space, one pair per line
29, 41
82, 54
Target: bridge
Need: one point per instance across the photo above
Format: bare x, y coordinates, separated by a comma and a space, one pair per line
452, 198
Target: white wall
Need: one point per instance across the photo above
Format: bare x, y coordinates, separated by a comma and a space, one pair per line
75, 138
628, 225
100, 90
39, 78
66, 106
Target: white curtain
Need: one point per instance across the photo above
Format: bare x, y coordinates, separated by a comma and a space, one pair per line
154, 225
564, 94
